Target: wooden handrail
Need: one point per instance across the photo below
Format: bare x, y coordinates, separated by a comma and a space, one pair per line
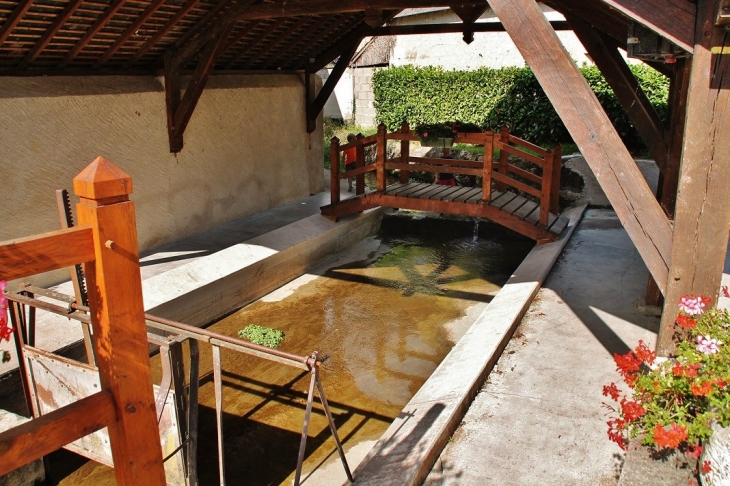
520, 153
36, 438
42, 253
358, 171
516, 184
432, 168
528, 145
451, 162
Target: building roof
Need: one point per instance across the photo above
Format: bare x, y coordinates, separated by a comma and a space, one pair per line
132, 36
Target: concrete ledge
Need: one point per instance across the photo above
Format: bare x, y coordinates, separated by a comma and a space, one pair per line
409, 448
213, 286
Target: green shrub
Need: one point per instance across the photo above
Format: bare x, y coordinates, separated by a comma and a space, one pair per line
264, 336
495, 97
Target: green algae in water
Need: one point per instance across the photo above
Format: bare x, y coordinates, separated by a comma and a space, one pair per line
263, 336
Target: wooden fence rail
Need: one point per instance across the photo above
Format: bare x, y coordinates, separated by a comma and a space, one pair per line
501, 170
106, 243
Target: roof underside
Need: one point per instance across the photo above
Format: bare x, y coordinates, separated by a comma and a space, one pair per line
132, 36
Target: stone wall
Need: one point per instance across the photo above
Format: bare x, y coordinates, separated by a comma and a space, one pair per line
363, 92
246, 150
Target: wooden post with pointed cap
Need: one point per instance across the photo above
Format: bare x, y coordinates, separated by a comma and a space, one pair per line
117, 316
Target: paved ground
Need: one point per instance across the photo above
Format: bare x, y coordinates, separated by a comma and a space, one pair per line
538, 419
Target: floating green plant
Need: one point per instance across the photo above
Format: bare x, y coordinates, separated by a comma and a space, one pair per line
264, 336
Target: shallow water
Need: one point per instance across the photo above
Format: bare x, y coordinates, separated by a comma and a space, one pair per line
385, 321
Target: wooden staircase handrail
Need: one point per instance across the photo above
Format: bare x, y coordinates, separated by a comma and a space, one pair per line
106, 243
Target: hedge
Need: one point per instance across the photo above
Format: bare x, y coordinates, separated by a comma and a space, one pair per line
495, 97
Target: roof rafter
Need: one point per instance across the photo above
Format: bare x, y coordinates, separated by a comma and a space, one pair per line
258, 41
51, 31
138, 22
111, 10
14, 19
170, 24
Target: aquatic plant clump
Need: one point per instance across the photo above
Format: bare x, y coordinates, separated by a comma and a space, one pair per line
263, 336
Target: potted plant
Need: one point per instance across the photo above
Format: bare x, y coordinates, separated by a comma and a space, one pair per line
681, 402
436, 134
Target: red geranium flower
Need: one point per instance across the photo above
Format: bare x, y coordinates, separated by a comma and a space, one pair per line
706, 467
702, 390
669, 438
632, 410
611, 391
685, 321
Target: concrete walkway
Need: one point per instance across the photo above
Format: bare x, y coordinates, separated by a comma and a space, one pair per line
538, 419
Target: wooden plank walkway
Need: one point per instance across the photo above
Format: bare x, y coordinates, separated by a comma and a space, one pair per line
506, 208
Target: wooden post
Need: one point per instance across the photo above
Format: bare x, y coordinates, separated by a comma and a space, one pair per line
587, 122
546, 188
359, 163
701, 216
117, 316
405, 146
380, 158
503, 156
487, 167
557, 167
334, 170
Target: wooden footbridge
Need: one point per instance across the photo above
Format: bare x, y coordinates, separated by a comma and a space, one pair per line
512, 196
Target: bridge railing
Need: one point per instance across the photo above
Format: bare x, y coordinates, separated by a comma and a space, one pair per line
543, 185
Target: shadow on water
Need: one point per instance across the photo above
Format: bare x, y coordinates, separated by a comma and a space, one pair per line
386, 320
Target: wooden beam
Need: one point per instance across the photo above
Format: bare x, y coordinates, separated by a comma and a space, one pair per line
332, 80
590, 127
673, 19
118, 320
260, 40
626, 88
284, 8
598, 15
51, 31
452, 28
669, 178
36, 438
337, 48
110, 11
42, 253
469, 14
195, 87
14, 19
274, 43
172, 100
702, 214
138, 22
162, 31
202, 24
318, 24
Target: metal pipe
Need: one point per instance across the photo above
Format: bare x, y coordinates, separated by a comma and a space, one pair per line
217, 381
305, 427
333, 428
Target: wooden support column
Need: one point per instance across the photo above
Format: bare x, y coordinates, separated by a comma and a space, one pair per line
382, 149
590, 127
557, 157
702, 214
117, 316
624, 84
360, 178
334, 170
405, 153
316, 106
488, 166
503, 157
669, 177
179, 111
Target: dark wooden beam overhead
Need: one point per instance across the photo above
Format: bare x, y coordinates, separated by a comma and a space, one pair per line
598, 16
14, 19
702, 215
202, 24
268, 44
673, 19
469, 14
626, 88
452, 28
51, 31
138, 22
329, 86
337, 48
259, 41
169, 25
318, 23
590, 127
181, 112
284, 8
110, 11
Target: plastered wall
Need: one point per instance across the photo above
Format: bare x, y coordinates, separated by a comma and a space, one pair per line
246, 150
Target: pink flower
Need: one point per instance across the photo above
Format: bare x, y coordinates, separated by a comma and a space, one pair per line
708, 345
692, 305
425, 134
725, 291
